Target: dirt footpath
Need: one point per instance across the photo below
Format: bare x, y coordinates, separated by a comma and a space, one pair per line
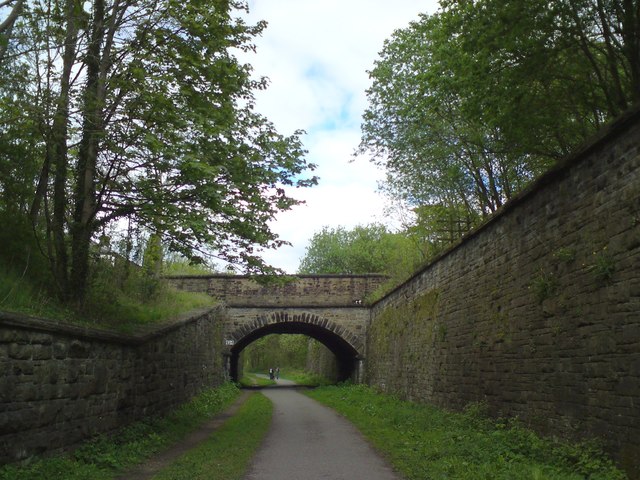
153, 465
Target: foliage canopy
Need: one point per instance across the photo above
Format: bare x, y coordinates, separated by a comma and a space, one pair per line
468, 105
128, 111
363, 249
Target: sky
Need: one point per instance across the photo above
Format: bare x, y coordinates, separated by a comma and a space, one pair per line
316, 54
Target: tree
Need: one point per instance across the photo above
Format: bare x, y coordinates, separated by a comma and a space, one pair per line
12, 9
364, 249
468, 105
146, 115
284, 351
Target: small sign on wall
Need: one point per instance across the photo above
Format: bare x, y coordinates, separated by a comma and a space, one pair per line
229, 342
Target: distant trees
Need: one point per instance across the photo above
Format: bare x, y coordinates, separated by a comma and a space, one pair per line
283, 351
468, 105
363, 249
137, 111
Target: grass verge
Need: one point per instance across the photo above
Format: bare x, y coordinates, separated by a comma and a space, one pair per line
424, 442
226, 454
306, 379
104, 457
253, 380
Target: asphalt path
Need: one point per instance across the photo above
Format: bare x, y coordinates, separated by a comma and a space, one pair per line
310, 441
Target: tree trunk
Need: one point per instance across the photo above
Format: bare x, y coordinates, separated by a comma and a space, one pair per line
59, 160
6, 27
92, 130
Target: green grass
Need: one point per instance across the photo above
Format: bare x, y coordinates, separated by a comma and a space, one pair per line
128, 314
251, 379
106, 456
226, 455
123, 305
19, 294
304, 378
423, 442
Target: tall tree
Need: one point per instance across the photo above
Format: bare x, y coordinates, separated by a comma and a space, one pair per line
468, 105
146, 114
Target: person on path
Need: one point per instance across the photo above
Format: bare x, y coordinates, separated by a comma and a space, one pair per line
271, 374
277, 373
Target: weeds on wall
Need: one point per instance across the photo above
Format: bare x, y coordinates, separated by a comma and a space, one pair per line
602, 266
543, 285
565, 254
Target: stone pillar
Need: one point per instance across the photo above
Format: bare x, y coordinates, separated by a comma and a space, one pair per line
358, 373
226, 366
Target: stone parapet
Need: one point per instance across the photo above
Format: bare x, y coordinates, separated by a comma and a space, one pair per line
288, 291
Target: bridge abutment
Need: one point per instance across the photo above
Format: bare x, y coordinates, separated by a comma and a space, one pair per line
329, 308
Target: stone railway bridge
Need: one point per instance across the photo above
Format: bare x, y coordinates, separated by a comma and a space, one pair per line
328, 308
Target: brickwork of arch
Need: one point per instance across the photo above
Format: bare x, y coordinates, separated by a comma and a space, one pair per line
283, 318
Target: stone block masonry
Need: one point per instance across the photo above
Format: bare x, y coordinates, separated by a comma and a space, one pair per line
294, 291
61, 384
330, 308
537, 313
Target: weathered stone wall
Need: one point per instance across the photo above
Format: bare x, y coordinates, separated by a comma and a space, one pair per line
61, 384
299, 291
349, 324
321, 361
329, 308
537, 313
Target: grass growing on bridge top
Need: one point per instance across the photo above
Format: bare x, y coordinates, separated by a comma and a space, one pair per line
424, 442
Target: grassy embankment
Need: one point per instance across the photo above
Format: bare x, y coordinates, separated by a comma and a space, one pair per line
115, 302
424, 442
226, 455
106, 457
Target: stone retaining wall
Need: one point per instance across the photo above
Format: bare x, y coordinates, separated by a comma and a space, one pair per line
537, 313
61, 384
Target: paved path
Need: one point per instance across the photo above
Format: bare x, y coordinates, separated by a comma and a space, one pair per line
308, 441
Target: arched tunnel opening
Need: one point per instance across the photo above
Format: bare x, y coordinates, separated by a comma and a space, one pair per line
347, 357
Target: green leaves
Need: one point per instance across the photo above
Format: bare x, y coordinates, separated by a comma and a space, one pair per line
149, 118
468, 105
364, 249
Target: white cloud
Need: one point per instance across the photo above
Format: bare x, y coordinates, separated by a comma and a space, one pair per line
316, 54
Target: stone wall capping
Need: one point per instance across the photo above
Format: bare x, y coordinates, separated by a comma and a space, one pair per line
64, 383
599, 140
21, 321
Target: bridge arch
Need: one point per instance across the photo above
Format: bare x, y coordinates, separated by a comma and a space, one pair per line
347, 348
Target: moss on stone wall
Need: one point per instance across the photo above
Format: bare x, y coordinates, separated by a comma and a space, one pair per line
396, 325
535, 313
